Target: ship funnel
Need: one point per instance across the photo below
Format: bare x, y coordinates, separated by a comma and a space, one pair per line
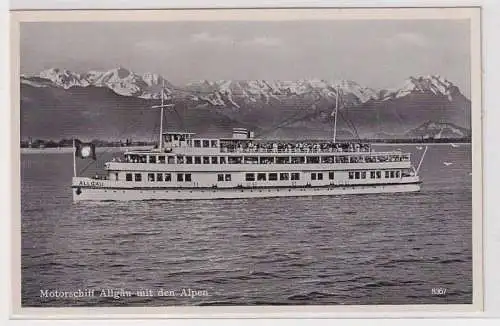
240, 133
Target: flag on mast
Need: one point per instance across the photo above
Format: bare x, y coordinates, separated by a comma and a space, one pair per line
84, 150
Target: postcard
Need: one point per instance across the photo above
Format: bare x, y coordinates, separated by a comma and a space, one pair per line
246, 162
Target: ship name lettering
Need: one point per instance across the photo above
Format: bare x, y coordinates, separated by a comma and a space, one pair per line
92, 183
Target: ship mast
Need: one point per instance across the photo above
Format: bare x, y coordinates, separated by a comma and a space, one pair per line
335, 114
162, 106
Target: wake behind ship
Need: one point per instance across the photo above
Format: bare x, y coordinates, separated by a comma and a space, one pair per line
183, 166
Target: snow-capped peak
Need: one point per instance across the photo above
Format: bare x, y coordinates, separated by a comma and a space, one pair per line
363, 94
434, 84
121, 80
237, 92
152, 79
63, 78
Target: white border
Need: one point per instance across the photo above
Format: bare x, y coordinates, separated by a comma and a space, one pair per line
259, 15
196, 4
491, 26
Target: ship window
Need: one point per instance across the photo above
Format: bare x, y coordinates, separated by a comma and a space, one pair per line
116, 176
379, 174
213, 143
227, 177
295, 176
284, 176
206, 143
161, 159
406, 173
397, 174
189, 160
159, 177
356, 175
261, 177
250, 177
251, 160
327, 159
372, 174
171, 160
220, 177
313, 159
197, 160
282, 160
341, 159
320, 176
187, 177
138, 177
176, 137
222, 160
168, 177
152, 159
180, 177
128, 177
273, 176
387, 174
266, 160
197, 143
351, 175
331, 175
392, 174
206, 160
214, 159
313, 176
234, 160
151, 177
363, 175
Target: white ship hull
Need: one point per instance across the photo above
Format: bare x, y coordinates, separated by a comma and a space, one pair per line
109, 194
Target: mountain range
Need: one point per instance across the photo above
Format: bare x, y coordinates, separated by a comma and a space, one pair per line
116, 103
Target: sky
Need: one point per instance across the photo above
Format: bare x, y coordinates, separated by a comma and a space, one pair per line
375, 53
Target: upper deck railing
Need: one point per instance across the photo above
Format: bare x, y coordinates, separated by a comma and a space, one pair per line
295, 147
287, 150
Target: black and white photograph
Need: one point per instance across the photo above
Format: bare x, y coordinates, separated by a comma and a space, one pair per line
249, 159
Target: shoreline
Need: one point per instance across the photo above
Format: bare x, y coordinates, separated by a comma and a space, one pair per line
63, 150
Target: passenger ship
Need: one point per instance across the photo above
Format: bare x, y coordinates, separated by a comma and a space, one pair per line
183, 166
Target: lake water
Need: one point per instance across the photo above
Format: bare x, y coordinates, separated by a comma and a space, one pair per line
360, 249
